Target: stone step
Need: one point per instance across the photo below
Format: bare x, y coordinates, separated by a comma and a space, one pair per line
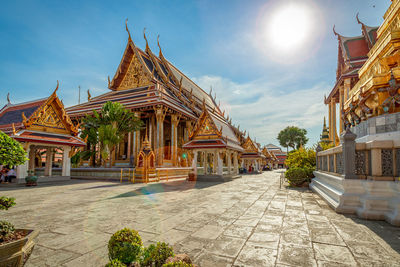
322, 190
333, 192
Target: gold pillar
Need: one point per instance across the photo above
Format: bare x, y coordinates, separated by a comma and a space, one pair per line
174, 139
333, 118
136, 140
330, 121
341, 98
160, 116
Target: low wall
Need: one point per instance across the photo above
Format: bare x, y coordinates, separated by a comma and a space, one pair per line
368, 199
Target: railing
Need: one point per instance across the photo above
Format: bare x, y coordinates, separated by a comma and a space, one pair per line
374, 160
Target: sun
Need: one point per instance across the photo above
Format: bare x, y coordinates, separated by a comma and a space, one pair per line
289, 26
288, 30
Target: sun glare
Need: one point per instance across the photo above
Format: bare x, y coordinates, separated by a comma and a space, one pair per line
289, 26
288, 31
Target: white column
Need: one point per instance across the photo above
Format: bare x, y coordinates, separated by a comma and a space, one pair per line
194, 163
220, 163
49, 162
22, 170
66, 166
205, 162
215, 162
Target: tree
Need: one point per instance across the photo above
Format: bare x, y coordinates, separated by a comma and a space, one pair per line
109, 127
11, 152
293, 137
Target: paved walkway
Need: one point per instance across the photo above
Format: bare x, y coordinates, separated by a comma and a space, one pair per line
245, 222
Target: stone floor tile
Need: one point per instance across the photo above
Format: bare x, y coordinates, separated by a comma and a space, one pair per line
268, 240
337, 264
209, 259
296, 256
371, 251
247, 221
296, 239
253, 255
238, 231
94, 258
333, 253
208, 232
326, 235
226, 246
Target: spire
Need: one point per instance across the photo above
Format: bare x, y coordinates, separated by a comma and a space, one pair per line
147, 44
126, 27
160, 54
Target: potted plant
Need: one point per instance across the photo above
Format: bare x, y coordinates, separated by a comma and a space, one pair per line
31, 179
16, 245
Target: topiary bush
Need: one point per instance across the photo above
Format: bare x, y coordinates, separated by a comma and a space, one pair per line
6, 202
115, 263
6, 229
125, 246
301, 158
177, 264
156, 255
297, 176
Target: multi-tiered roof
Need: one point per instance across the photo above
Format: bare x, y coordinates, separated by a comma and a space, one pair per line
352, 54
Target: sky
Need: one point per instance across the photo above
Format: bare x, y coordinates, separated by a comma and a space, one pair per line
270, 62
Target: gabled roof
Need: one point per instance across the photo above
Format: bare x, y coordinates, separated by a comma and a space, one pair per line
212, 131
43, 115
12, 114
140, 68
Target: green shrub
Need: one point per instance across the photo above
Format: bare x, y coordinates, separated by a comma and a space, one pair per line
115, 263
178, 264
125, 245
301, 158
6, 202
156, 255
6, 229
296, 176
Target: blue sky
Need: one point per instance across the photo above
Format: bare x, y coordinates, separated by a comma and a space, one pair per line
223, 44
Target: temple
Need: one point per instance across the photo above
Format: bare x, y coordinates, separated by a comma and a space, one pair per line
360, 173
185, 126
46, 133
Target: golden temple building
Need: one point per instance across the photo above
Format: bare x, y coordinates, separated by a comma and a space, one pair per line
46, 132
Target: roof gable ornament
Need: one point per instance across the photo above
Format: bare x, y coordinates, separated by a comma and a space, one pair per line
89, 96
8, 98
147, 43
126, 28
335, 33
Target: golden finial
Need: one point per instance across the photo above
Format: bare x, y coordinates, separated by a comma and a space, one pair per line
14, 132
109, 82
8, 98
58, 84
160, 54
334, 31
23, 117
89, 96
147, 44
126, 27
358, 20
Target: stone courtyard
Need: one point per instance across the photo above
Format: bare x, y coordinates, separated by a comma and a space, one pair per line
249, 221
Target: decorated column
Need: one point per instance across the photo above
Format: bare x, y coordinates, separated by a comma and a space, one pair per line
341, 96
205, 162
220, 164
160, 116
235, 163
229, 159
136, 140
49, 162
194, 161
174, 139
215, 161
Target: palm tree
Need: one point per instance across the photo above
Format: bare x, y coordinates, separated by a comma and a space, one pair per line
109, 127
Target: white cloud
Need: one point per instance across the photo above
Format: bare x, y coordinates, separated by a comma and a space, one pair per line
264, 108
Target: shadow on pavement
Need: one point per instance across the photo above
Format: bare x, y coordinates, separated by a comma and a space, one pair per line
173, 186
389, 233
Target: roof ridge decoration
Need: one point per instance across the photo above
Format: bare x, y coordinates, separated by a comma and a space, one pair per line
131, 71
205, 128
48, 116
249, 145
8, 98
